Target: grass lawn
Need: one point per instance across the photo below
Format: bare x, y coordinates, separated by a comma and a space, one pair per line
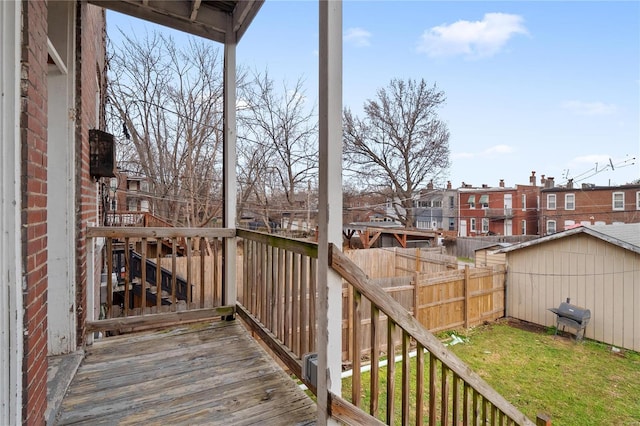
581, 383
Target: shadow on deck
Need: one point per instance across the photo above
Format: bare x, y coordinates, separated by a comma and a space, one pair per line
207, 373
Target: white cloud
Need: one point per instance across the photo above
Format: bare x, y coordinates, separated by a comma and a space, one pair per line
589, 108
472, 39
498, 149
358, 37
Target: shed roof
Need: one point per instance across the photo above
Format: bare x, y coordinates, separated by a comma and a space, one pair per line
494, 245
625, 235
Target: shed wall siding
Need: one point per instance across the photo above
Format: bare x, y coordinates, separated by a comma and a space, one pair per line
593, 273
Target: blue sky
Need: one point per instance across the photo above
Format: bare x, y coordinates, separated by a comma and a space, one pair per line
547, 86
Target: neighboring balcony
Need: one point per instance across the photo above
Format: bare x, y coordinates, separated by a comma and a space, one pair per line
505, 213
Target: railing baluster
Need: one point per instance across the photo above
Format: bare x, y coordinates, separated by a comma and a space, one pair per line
304, 294
282, 302
355, 356
174, 255
485, 414
406, 377
312, 303
419, 385
455, 407
189, 274
143, 276
444, 395
271, 296
202, 256
288, 302
127, 275
108, 310
158, 275
391, 371
375, 360
476, 411
295, 309
432, 389
465, 404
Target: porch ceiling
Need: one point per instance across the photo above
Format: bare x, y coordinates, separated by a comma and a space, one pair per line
206, 18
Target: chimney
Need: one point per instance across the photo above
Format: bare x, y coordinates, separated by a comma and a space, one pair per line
549, 183
501, 183
570, 184
430, 184
485, 186
448, 184
532, 178
542, 180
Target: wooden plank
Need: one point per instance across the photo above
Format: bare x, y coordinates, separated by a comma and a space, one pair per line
375, 358
158, 232
349, 414
391, 372
306, 248
158, 320
406, 378
355, 353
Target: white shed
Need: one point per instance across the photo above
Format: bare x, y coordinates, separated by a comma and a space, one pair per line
597, 267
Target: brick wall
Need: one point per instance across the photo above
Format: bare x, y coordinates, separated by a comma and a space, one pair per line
591, 204
33, 135
90, 82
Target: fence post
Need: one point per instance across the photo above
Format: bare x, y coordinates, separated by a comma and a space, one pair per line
466, 296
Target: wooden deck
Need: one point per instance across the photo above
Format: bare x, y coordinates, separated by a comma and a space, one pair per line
211, 373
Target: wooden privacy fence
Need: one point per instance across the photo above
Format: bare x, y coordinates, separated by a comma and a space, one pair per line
442, 301
397, 262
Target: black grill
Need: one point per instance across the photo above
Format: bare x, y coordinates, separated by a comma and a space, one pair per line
572, 316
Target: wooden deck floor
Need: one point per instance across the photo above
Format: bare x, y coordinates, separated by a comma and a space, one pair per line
213, 373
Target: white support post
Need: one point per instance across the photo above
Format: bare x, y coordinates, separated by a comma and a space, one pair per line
11, 312
229, 167
329, 302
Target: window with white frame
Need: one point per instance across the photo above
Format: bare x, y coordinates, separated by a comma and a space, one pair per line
473, 224
551, 227
524, 202
569, 201
523, 225
618, 201
485, 225
638, 200
551, 201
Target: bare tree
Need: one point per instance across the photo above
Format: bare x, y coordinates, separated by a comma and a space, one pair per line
399, 144
168, 100
277, 153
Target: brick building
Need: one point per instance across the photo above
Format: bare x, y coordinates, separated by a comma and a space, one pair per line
498, 210
52, 60
567, 206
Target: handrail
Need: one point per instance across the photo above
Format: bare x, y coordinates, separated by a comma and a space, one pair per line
403, 319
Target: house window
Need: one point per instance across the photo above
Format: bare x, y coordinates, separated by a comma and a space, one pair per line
523, 225
551, 201
473, 224
551, 227
451, 202
524, 202
484, 201
436, 203
570, 201
485, 225
618, 201
638, 200
472, 201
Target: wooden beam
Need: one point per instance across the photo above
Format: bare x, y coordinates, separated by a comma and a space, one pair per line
125, 324
348, 414
159, 232
195, 5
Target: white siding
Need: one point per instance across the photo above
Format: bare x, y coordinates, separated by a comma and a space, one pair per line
595, 274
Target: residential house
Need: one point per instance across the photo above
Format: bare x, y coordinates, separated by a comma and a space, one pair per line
568, 206
498, 210
595, 267
436, 208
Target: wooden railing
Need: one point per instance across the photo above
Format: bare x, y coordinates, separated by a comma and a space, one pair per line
146, 276
277, 297
277, 301
437, 386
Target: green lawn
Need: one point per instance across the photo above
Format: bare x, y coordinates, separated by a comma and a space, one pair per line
581, 383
